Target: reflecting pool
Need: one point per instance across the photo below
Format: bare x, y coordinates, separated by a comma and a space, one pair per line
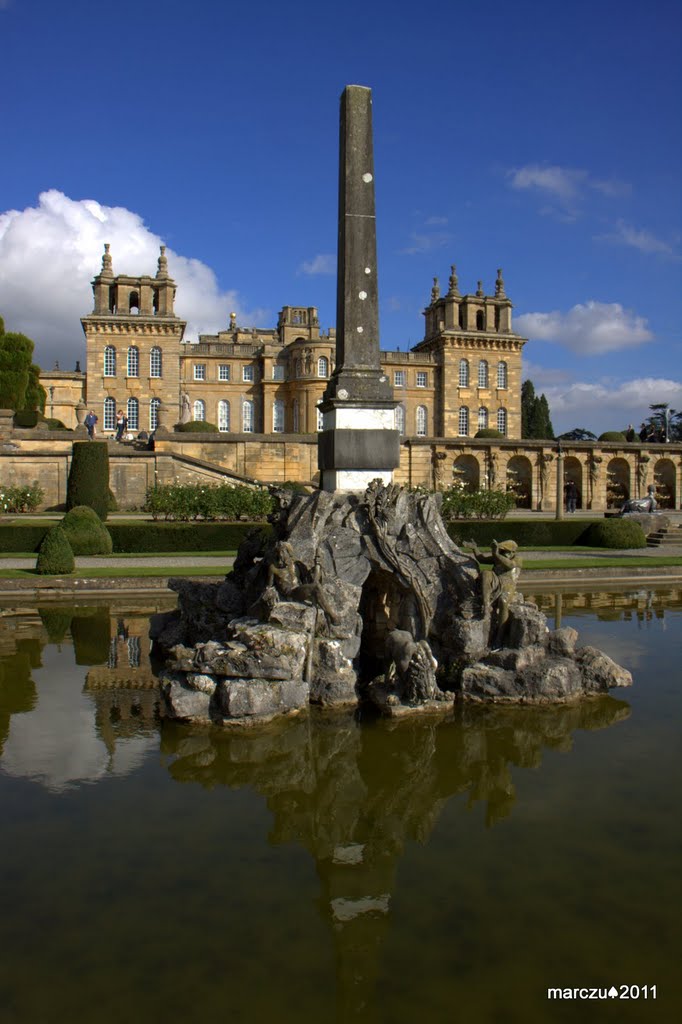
330, 866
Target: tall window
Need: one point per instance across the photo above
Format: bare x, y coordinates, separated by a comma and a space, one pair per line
482, 418
463, 424
320, 419
109, 414
400, 419
278, 416
322, 366
422, 417
502, 421
247, 416
398, 378
200, 371
154, 413
480, 320
155, 362
133, 361
133, 414
223, 416
278, 371
297, 417
110, 361
422, 379
247, 374
502, 374
224, 371
199, 410
483, 373
464, 373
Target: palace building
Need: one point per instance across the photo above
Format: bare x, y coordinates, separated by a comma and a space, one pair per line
465, 375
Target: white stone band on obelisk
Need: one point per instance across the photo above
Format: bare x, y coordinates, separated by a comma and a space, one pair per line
359, 441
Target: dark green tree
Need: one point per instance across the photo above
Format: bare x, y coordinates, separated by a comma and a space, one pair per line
535, 416
20, 386
88, 482
659, 412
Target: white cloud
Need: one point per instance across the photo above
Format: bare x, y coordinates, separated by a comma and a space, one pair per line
423, 241
436, 221
606, 404
50, 253
565, 185
321, 263
639, 238
591, 328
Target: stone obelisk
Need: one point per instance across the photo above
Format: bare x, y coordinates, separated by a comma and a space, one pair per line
358, 442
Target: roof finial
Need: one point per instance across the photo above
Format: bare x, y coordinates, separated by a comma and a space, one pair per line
499, 286
479, 290
163, 263
233, 321
435, 291
107, 265
453, 282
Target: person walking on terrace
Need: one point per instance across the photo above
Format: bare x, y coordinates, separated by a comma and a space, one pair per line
571, 493
121, 425
90, 424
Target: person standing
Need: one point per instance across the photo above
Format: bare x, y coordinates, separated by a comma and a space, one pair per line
121, 424
571, 493
90, 424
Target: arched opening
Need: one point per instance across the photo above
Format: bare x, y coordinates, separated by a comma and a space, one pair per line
466, 473
464, 373
155, 301
617, 483
134, 303
400, 419
480, 320
199, 411
133, 368
573, 471
502, 374
384, 605
223, 416
520, 480
112, 299
322, 366
155, 362
664, 481
483, 373
482, 418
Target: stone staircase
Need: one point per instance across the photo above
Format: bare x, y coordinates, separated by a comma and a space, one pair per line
667, 535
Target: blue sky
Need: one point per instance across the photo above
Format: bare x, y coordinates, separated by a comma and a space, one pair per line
543, 138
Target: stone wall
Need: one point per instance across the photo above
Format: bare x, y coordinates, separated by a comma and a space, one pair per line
605, 474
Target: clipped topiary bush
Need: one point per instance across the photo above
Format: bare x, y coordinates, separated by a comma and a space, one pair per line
86, 533
614, 533
197, 427
54, 424
55, 557
26, 419
488, 432
89, 477
613, 435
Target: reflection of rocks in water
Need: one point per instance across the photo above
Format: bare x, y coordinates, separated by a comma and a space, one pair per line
353, 793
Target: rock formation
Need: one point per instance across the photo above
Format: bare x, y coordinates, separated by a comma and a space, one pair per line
364, 598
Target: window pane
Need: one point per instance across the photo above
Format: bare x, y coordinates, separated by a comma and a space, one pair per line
247, 373
464, 373
154, 413
247, 417
421, 421
463, 420
399, 379
133, 414
199, 410
278, 416
110, 361
224, 371
133, 361
422, 379
223, 416
109, 414
200, 371
155, 362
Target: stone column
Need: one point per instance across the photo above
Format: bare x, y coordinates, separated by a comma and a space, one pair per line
560, 484
358, 442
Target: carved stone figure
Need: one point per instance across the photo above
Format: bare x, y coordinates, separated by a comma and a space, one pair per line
185, 411
648, 504
498, 586
642, 469
409, 665
438, 465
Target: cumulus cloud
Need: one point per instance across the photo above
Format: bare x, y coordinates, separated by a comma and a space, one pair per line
606, 404
321, 263
639, 238
591, 328
50, 253
565, 185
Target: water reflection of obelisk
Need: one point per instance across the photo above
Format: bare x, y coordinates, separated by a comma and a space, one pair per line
358, 442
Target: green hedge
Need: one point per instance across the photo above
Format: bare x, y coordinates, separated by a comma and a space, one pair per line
526, 532
615, 533
22, 536
196, 427
131, 538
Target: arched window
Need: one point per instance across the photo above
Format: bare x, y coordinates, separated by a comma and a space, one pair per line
154, 413
110, 361
322, 366
247, 416
502, 421
463, 424
400, 419
199, 411
223, 416
133, 414
133, 361
497, 318
133, 303
502, 374
320, 420
422, 420
109, 414
278, 416
297, 416
483, 373
155, 362
482, 418
464, 373
480, 320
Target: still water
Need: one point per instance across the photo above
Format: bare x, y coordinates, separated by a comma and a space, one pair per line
329, 867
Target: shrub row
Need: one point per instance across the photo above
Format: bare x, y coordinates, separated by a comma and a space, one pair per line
212, 501
459, 504
21, 499
131, 538
527, 533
